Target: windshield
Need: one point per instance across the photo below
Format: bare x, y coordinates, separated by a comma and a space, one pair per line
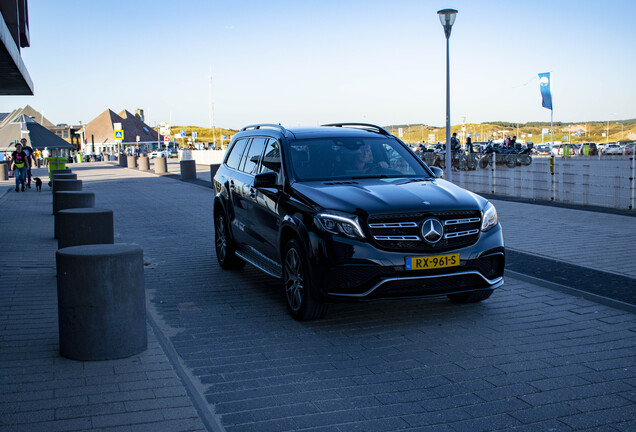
352, 158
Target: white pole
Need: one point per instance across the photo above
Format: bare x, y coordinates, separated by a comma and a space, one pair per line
633, 185
212, 113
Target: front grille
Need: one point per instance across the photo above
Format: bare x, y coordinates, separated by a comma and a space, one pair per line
403, 232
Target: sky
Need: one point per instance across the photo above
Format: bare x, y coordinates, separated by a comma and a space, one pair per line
308, 62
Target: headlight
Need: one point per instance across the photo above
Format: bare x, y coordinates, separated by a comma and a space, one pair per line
340, 224
489, 218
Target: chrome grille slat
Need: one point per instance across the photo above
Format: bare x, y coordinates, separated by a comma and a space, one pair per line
397, 238
461, 233
394, 225
461, 221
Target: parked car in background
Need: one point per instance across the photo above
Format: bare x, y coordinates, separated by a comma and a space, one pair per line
542, 149
158, 153
613, 149
557, 149
629, 148
593, 150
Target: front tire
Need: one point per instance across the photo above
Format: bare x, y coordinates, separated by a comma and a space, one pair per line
471, 296
297, 284
224, 246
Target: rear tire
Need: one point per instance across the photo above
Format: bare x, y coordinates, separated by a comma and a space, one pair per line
471, 296
297, 283
224, 246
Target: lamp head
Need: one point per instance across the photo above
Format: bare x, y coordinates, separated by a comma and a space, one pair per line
447, 18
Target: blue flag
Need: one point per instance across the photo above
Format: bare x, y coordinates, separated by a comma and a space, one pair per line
544, 86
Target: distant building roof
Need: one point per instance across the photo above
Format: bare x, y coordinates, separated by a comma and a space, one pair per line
101, 129
37, 135
30, 112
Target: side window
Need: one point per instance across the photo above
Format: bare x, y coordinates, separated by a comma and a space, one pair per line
236, 153
251, 158
271, 158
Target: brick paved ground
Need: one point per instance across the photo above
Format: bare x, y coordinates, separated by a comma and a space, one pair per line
529, 358
41, 391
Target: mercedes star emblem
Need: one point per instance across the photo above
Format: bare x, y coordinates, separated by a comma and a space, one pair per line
432, 230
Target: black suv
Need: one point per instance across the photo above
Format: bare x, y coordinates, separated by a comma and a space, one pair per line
348, 212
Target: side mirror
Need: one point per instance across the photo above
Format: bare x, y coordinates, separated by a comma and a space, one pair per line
437, 171
266, 180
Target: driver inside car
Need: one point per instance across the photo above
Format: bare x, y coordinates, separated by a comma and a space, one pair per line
364, 159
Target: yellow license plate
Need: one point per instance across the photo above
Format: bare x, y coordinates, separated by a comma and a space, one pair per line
432, 262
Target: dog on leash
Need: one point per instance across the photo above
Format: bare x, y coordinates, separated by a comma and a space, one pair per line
38, 184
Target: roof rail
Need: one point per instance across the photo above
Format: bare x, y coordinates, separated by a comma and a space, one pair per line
365, 125
262, 125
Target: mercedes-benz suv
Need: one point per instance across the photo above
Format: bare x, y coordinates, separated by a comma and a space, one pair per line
347, 212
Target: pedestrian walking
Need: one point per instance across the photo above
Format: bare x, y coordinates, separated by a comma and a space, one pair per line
19, 163
26, 148
455, 144
45, 156
38, 157
469, 145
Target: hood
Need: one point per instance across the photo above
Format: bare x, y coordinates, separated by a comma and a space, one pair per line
378, 196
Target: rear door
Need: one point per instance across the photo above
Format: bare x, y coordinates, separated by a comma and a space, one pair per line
264, 212
245, 192
232, 180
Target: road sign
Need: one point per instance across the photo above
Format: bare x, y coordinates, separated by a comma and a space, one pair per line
194, 135
545, 131
182, 133
578, 133
137, 138
119, 135
400, 132
166, 139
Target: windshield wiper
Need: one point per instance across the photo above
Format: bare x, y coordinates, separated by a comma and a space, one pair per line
371, 176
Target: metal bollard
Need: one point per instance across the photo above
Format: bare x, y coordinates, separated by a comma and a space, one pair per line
101, 301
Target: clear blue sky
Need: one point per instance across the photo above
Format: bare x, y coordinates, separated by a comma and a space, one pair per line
306, 62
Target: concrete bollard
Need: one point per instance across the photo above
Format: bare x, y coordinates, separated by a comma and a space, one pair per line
143, 163
213, 169
101, 301
131, 162
123, 160
161, 165
63, 176
65, 185
4, 171
61, 171
82, 226
188, 169
72, 199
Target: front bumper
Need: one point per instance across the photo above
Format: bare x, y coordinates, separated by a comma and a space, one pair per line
359, 271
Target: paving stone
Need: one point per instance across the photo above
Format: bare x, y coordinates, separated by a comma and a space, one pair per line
509, 363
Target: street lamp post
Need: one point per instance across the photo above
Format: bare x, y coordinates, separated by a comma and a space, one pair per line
447, 18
